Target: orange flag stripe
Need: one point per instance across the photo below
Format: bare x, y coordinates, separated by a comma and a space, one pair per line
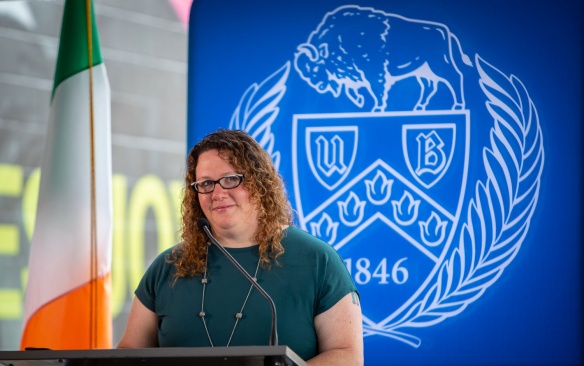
66, 323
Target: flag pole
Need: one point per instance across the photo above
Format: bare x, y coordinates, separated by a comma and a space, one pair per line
94, 301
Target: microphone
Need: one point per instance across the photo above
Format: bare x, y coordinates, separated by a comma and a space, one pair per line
203, 225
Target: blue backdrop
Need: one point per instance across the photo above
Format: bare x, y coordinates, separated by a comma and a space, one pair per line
435, 144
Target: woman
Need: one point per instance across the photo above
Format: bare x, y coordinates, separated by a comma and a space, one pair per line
191, 296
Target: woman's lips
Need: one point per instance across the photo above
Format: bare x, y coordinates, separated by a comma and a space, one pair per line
223, 207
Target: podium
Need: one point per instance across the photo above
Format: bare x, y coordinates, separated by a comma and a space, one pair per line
225, 356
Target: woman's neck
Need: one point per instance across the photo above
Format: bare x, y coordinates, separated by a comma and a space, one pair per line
235, 241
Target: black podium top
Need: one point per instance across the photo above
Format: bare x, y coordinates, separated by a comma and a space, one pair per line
241, 355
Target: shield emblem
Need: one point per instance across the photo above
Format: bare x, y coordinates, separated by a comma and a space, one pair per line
375, 193
331, 153
428, 150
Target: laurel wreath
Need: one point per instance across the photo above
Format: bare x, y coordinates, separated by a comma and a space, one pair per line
497, 218
258, 109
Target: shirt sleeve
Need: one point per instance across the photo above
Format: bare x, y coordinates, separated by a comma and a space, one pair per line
156, 273
336, 282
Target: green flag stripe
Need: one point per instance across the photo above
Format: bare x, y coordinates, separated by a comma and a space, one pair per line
73, 48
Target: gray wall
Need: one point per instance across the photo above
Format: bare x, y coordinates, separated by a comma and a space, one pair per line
144, 48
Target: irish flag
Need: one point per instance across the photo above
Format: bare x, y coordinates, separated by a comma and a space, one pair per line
68, 304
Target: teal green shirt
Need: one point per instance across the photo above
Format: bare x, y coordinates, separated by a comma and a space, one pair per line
311, 279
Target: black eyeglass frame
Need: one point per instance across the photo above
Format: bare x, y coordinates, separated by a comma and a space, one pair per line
194, 185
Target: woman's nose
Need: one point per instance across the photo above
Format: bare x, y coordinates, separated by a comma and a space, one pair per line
218, 192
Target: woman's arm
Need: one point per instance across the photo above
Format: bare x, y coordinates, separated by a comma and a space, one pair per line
142, 328
340, 334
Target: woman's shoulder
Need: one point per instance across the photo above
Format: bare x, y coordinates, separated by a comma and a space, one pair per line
297, 238
159, 273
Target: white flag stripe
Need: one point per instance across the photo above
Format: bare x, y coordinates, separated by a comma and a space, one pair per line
61, 257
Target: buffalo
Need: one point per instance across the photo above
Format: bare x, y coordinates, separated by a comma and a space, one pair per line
358, 48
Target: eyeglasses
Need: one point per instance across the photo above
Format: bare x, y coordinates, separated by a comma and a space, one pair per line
208, 185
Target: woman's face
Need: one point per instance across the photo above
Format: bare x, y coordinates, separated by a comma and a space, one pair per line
233, 218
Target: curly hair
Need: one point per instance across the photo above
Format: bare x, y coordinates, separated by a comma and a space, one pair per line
266, 189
